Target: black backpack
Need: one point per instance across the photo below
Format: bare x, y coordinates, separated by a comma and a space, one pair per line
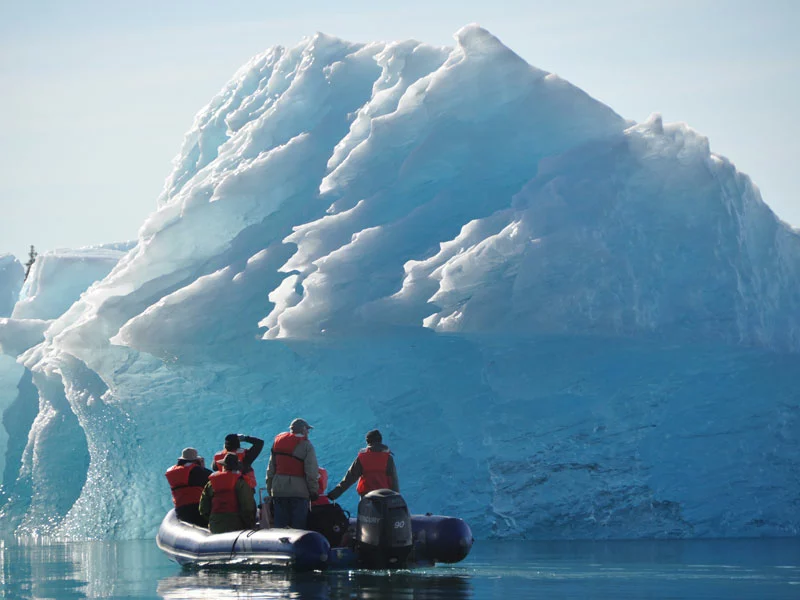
331, 520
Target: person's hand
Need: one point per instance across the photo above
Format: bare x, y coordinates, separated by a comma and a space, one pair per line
313, 497
332, 496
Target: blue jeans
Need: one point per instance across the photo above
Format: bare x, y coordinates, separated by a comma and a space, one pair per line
290, 512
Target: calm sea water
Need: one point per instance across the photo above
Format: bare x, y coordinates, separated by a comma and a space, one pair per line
730, 569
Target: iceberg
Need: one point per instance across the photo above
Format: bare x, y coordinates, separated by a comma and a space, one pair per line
11, 277
59, 277
566, 324
55, 281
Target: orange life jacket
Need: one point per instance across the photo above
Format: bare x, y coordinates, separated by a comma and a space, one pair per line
373, 471
282, 450
247, 472
182, 492
323, 483
224, 485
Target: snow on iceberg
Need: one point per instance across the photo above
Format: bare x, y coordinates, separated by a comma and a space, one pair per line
58, 278
565, 323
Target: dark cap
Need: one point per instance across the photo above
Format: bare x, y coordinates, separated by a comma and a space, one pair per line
232, 441
374, 437
299, 426
230, 462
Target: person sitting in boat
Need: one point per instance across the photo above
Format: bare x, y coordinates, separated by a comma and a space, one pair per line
186, 480
246, 457
373, 468
323, 483
227, 500
292, 476
327, 518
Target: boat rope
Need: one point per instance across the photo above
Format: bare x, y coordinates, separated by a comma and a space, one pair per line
249, 532
233, 546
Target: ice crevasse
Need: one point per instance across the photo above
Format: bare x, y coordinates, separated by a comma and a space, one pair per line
566, 324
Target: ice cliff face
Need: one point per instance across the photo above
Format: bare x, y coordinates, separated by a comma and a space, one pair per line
11, 274
55, 281
11, 277
566, 324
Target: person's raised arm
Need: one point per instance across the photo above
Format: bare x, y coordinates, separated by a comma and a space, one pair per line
256, 446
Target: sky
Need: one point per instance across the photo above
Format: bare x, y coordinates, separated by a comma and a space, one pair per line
95, 96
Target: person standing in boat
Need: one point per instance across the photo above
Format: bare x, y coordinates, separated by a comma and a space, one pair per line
186, 480
292, 476
246, 457
227, 500
373, 468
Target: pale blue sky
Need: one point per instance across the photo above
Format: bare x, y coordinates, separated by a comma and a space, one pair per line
96, 95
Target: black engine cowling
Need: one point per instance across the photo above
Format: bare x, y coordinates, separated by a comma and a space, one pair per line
384, 537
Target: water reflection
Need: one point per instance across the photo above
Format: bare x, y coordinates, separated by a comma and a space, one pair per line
315, 586
90, 569
659, 570
38, 571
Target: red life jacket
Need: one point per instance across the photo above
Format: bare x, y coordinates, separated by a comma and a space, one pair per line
373, 471
182, 492
282, 450
247, 472
224, 485
323, 483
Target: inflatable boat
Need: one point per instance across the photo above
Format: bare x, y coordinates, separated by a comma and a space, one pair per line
383, 536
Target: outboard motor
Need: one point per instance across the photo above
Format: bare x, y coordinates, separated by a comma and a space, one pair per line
383, 530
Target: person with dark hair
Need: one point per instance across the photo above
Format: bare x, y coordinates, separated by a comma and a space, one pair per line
246, 457
186, 480
373, 468
227, 500
292, 476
